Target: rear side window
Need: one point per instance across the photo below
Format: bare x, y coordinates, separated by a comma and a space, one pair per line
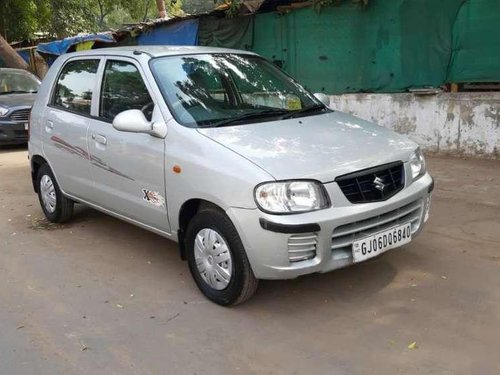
75, 86
123, 89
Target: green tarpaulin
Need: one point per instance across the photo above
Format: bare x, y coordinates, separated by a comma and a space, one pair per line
476, 43
388, 46
226, 32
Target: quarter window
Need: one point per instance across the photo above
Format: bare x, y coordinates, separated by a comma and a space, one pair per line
75, 86
123, 89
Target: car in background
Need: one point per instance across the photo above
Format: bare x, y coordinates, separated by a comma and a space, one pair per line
18, 90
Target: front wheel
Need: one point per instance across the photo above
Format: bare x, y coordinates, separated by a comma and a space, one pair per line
217, 259
56, 207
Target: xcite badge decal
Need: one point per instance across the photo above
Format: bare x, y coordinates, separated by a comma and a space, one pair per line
153, 197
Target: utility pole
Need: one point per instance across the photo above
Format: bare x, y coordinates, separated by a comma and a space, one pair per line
10, 56
162, 12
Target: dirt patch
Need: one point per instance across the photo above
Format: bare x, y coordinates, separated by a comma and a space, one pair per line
43, 224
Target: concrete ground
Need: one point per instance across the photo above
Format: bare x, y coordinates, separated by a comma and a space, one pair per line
99, 296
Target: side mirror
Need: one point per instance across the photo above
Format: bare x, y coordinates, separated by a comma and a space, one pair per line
325, 99
134, 121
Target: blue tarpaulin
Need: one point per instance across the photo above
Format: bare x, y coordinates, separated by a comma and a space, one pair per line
184, 33
25, 54
59, 47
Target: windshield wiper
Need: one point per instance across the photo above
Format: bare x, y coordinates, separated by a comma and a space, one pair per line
311, 109
251, 116
17, 92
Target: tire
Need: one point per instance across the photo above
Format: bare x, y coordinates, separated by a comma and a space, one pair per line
62, 208
242, 283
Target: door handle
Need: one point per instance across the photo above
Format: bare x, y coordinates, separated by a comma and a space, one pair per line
100, 139
49, 126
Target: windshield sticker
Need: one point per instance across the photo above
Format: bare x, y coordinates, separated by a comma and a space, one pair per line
153, 197
293, 103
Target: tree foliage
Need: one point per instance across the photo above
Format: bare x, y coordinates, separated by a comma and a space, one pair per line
21, 19
18, 18
69, 17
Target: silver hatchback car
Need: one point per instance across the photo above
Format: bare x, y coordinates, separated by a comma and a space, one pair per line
221, 151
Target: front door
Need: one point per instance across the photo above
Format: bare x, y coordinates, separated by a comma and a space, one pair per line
127, 168
66, 124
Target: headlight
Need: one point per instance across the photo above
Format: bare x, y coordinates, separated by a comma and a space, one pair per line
417, 164
3, 111
291, 197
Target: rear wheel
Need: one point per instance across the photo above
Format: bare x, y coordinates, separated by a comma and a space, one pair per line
56, 207
217, 259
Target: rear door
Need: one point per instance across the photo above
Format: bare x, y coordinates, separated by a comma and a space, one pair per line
127, 168
66, 123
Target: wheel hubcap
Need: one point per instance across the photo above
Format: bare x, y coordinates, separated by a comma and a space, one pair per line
48, 193
213, 258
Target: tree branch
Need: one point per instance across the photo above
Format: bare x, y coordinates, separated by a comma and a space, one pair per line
10, 56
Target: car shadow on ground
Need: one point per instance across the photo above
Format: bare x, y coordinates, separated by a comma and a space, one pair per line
4, 149
348, 285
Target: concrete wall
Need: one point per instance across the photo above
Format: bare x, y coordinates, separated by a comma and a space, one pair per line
461, 123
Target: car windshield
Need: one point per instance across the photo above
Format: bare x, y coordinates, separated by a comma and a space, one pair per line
17, 82
209, 90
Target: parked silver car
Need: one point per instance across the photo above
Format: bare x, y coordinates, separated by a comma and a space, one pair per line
222, 152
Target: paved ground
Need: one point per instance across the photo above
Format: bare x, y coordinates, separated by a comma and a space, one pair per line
98, 296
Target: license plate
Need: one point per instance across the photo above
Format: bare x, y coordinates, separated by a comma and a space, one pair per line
26, 125
376, 244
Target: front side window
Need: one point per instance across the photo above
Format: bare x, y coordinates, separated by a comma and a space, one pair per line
75, 86
218, 89
123, 89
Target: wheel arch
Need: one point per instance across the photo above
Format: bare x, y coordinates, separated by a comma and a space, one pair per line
36, 162
188, 210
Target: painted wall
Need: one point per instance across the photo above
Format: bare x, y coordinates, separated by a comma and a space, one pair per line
459, 123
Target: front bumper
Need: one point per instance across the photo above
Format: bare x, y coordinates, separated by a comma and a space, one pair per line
12, 132
271, 251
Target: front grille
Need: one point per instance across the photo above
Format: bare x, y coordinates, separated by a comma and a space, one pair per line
373, 184
344, 235
21, 115
302, 247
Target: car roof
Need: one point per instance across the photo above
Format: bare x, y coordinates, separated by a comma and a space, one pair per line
156, 51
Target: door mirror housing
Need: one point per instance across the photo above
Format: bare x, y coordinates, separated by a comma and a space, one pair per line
325, 99
134, 121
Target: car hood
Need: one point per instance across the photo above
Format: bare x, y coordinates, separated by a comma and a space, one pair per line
319, 147
17, 100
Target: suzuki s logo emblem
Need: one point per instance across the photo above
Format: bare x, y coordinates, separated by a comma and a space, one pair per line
378, 183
